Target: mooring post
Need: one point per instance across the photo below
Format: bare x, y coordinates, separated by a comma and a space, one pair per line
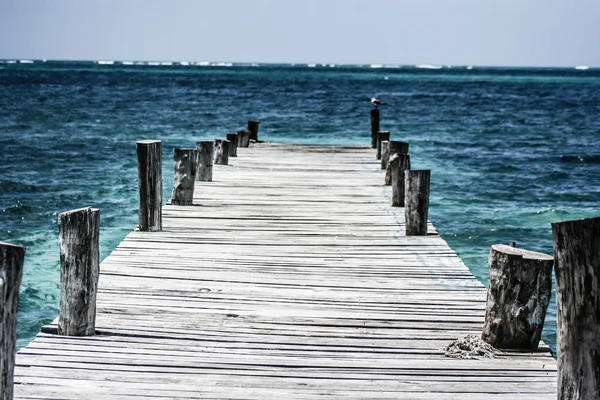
381, 136
384, 154
394, 147
78, 238
11, 272
184, 176
204, 161
233, 144
416, 201
374, 114
399, 164
253, 128
577, 270
221, 151
518, 295
149, 154
243, 138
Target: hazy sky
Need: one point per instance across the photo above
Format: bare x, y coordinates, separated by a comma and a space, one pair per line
448, 32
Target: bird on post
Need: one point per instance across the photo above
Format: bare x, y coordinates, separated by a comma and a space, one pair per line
376, 102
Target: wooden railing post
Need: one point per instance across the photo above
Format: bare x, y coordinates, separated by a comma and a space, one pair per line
381, 136
416, 203
393, 148
184, 176
385, 156
233, 144
374, 115
399, 164
149, 154
518, 296
11, 271
221, 151
253, 128
78, 236
204, 161
243, 138
577, 269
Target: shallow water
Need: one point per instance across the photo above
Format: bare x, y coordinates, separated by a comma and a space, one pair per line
511, 150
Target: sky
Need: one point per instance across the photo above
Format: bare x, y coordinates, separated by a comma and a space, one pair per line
406, 32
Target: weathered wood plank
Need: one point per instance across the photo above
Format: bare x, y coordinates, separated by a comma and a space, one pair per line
269, 288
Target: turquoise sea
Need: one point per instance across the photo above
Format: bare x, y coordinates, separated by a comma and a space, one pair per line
511, 149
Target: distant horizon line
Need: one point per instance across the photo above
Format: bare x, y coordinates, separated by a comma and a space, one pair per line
204, 63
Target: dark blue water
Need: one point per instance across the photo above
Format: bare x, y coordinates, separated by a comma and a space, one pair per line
511, 150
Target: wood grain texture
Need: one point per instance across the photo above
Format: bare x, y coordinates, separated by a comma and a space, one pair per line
399, 164
204, 161
222, 151
518, 296
243, 138
184, 176
149, 155
382, 136
270, 288
11, 272
78, 237
416, 203
577, 265
385, 156
233, 144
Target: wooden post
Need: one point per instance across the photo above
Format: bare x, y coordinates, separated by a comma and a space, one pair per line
184, 176
149, 154
394, 147
253, 128
384, 154
233, 144
221, 151
381, 136
374, 126
11, 271
78, 238
517, 299
204, 161
399, 164
243, 138
577, 269
416, 202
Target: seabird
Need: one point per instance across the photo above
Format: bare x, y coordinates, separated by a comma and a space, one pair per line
376, 102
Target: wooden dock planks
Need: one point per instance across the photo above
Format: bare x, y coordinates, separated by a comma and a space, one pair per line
289, 277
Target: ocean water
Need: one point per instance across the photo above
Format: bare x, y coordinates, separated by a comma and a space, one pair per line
511, 150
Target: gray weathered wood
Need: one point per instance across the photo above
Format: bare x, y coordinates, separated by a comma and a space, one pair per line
385, 156
374, 117
233, 144
253, 128
11, 271
204, 161
149, 155
271, 289
221, 151
577, 269
416, 203
78, 236
381, 137
184, 176
399, 164
243, 138
518, 296
394, 147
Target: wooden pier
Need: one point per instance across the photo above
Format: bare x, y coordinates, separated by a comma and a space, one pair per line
289, 277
